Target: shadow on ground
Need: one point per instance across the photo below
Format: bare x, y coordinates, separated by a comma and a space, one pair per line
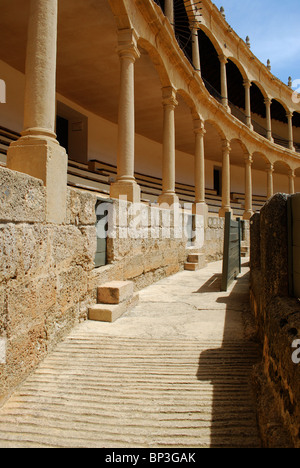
229, 370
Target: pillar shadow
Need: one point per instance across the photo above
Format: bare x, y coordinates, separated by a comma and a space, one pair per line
228, 369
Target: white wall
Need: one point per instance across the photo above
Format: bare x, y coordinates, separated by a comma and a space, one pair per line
11, 113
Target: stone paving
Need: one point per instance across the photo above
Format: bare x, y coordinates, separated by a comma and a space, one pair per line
174, 372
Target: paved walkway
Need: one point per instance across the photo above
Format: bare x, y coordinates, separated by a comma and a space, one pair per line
174, 372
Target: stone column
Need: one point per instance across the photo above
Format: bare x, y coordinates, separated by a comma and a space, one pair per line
224, 91
168, 195
169, 10
247, 86
126, 186
248, 187
37, 152
290, 128
225, 179
269, 119
200, 207
292, 177
196, 50
270, 181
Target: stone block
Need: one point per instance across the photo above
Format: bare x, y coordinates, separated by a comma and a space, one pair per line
274, 239
71, 286
44, 159
80, 207
115, 292
23, 198
111, 312
191, 266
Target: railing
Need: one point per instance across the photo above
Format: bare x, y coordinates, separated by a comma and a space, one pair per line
239, 114
232, 251
214, 93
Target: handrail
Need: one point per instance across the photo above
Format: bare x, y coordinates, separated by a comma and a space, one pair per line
239, 114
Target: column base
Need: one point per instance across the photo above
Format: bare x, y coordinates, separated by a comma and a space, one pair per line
168, 199
43, 158
127, 189
224, 210
248, 215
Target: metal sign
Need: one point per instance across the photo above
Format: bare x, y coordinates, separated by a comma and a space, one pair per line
102, 210
294, 244
232, 251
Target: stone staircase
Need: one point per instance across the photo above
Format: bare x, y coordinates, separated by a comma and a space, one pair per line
114, 299
195, 261
245, 250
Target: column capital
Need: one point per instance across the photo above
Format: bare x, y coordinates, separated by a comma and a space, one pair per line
248, 158
289, 114
226, 146
169, 96
223, 58
127, 44
247, 83
292, 174
270, 167
268, 101
199, 127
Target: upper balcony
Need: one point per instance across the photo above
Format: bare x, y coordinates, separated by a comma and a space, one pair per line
232, 74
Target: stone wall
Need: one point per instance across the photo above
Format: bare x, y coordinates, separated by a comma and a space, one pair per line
277, 318
214, 239
48, 277
44, 271
145, 243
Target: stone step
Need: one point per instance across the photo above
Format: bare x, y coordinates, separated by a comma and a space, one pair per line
111, 312
115, 292
192, 266
197, 258
195, 261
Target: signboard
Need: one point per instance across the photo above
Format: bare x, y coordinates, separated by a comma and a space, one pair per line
232, 251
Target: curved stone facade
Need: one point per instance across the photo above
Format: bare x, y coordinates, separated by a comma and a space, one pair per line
168, 90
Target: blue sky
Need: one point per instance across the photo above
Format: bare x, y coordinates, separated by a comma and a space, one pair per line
273, 27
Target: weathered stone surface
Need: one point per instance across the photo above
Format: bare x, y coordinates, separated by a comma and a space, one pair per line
71, 287
274, 246
115, 292
111, 312
80, 207
22, 198
278, 325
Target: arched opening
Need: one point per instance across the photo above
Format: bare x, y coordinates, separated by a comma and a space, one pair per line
182, 29
213, 165
260, 167
279, 124
237, 171
296, 131
181, 26
281, 177
236, 91
150, 75
185, 148
160, 3
258, 110
210, 65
